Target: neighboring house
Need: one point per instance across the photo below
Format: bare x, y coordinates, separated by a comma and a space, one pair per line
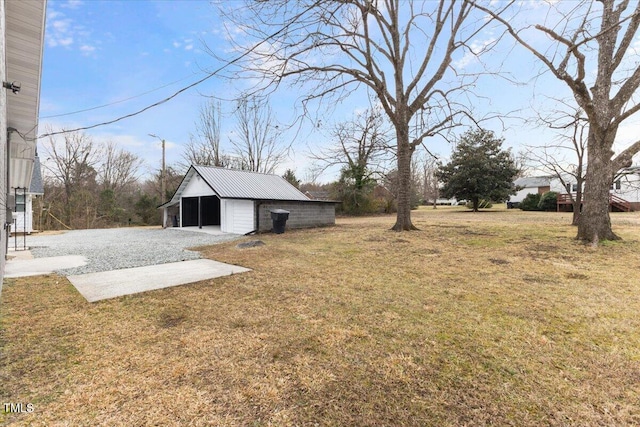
240, 202
625, 191
531, 185
442, 201
21, 46
318, 195
627, 186
23, 213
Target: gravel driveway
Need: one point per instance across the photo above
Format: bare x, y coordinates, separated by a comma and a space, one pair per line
118, 248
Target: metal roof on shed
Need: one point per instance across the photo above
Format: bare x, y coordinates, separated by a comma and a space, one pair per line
239, 184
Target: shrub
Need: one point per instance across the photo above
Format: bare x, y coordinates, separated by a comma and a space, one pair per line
530, 202
548, 201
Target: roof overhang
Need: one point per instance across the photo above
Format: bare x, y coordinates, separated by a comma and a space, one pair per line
24, 33
175, 199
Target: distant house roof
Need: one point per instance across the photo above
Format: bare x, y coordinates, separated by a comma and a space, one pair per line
533, 182
318, 194
37, 184
238, 184
630, 170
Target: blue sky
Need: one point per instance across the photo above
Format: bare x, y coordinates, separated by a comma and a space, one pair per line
101, 52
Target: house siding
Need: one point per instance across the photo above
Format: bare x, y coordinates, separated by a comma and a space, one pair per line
301, 214
3, 143
629, 189
520, 195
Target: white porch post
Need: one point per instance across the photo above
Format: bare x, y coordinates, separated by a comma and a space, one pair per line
164, 217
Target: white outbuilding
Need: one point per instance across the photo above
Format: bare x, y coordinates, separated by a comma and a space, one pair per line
240, 202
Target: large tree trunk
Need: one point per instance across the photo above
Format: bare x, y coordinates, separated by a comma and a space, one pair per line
595, 223
403, 219
577, 203
576, 213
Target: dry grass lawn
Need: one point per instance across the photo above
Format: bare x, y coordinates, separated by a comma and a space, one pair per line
494, 318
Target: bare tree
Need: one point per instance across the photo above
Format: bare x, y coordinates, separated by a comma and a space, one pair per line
257, 136
313, 172
71, 162
428, 167
203, 148
360, 147
565, 159
118, 169
401, 51
593, 54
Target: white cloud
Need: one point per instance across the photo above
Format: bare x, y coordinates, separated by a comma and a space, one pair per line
59, 33
72, 4
63, 31
475, 49
65, 42
61, 26
53, 14
86, 49
188, 47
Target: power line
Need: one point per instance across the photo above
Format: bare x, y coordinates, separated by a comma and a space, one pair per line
116, 102
155, 104
142, 110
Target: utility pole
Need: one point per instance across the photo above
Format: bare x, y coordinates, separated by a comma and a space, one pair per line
163, 184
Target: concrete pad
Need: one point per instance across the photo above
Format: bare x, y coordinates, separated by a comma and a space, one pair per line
116, 283
38, 266
207, 229
19, 254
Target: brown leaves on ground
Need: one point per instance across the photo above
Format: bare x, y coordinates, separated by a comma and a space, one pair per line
500, 318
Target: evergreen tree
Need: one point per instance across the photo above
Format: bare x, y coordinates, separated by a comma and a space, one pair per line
479, 169
290, 176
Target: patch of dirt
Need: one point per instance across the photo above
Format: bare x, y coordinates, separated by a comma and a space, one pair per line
431, 251
541, 247
170, 319
250, 244
498, 261
537, 278
578, 276
468, 232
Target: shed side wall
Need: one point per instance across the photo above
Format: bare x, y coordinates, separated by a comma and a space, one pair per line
301, 214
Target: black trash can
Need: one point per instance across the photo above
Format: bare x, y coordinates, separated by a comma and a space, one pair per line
279, 217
